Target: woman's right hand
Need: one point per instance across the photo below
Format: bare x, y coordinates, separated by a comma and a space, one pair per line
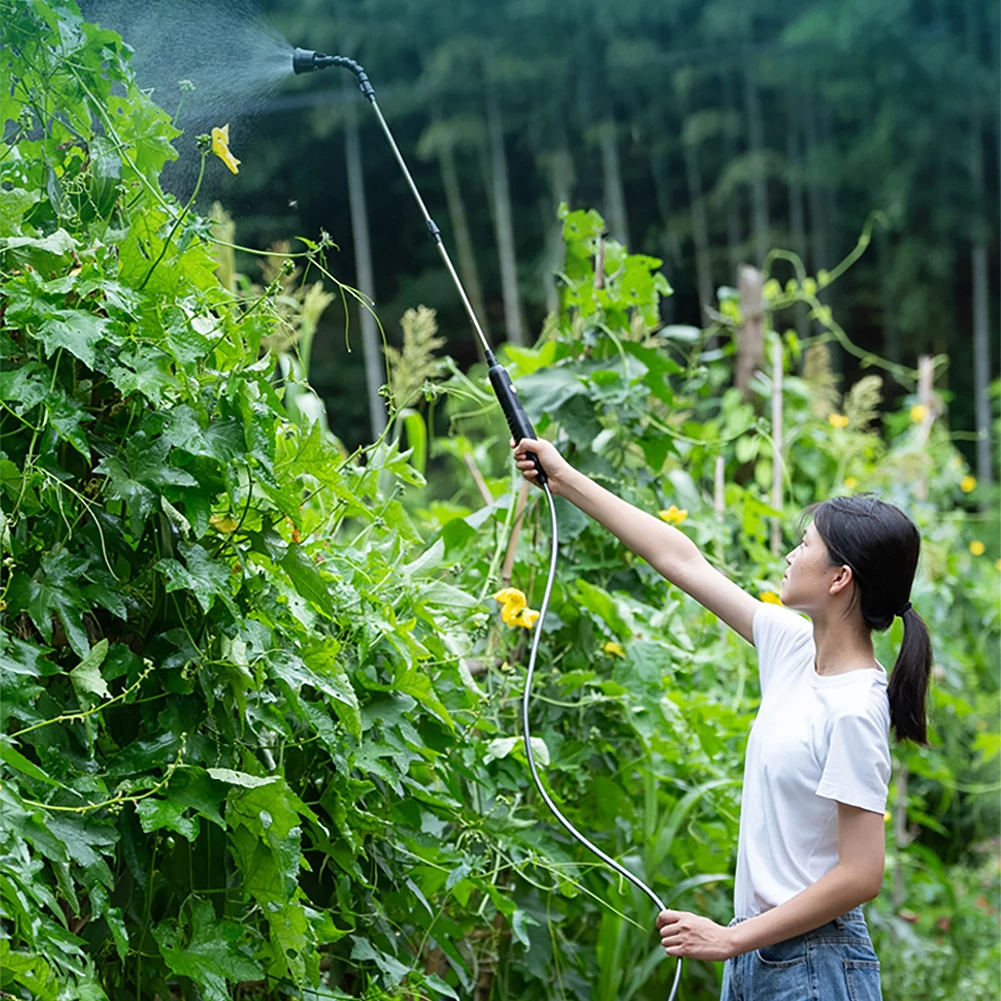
552, 462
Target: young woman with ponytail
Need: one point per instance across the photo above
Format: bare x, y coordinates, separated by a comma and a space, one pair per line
817, 768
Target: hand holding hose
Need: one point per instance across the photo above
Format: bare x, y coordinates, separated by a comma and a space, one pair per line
552, 462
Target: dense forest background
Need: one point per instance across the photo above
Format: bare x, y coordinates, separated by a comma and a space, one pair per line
706, 132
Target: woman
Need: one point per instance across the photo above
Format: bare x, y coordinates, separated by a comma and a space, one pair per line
810, 849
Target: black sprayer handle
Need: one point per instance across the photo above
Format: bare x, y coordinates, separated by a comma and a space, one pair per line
517, 419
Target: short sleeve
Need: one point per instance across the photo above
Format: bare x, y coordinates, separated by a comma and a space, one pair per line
779, 635
857, 770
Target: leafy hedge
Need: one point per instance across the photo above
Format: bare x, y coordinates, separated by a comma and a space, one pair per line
258, 721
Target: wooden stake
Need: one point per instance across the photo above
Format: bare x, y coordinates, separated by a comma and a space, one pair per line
778, 463
718, 505
751, 337
926, 373
512, 545
481, 484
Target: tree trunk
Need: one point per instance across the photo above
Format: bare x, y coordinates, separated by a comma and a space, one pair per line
561, 178
697, 208
891, 333
730, 154
615, 199
375, 370
463, 241
797, 208
514, 328
759, 183
700, 232
671, 252
978, 265
818, 222
819, 238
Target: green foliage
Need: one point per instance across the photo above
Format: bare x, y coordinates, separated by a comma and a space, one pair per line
258, 726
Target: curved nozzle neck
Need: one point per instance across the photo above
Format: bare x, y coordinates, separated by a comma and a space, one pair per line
309, 60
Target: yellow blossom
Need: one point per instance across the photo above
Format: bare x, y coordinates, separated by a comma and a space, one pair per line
515, 610
220, 146
977, 547
527, 618
612, 647
673, 515
770, 597
918, 413
998, 564
511, 596
838, 421
850, 482
886, 817
223, 523
967, 483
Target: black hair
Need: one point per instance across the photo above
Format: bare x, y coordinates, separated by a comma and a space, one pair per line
881, 545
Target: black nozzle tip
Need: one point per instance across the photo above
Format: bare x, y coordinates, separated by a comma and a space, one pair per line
304, 60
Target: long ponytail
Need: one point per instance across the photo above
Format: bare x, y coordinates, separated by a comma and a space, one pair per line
909, 681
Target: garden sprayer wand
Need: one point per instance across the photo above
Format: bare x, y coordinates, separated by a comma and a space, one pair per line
305, 61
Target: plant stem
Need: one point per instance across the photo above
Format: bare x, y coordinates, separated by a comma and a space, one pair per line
178, 221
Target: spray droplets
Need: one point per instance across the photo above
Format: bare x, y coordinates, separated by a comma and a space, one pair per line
208, 61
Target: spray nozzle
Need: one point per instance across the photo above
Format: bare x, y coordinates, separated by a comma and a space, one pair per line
308, 60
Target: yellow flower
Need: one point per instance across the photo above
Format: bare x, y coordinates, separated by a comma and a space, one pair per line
998, 564
851, 482
612, 647
967, 483
515, 610
977, 547
511, 596
838, 421
918, 413
223, 523
673, 515
770, 597
886, 817
220, 146
527, 618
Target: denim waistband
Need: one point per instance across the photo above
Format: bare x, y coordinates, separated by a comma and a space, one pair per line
855, 914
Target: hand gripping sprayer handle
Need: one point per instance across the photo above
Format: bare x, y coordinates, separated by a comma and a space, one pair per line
517, 419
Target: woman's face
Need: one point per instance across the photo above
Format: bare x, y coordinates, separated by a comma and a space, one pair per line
806, 584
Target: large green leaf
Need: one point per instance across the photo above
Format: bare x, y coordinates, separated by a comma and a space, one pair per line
210, 954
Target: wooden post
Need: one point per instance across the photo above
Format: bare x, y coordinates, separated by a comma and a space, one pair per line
751, 338
778, 463
926, 373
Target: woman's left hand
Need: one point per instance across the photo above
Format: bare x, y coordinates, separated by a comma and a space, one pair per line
694, 937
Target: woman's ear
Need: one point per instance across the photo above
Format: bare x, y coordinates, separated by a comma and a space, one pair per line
843, 579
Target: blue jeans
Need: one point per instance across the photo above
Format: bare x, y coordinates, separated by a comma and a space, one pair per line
835, 962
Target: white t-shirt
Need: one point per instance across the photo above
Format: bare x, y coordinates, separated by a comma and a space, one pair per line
818, 740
